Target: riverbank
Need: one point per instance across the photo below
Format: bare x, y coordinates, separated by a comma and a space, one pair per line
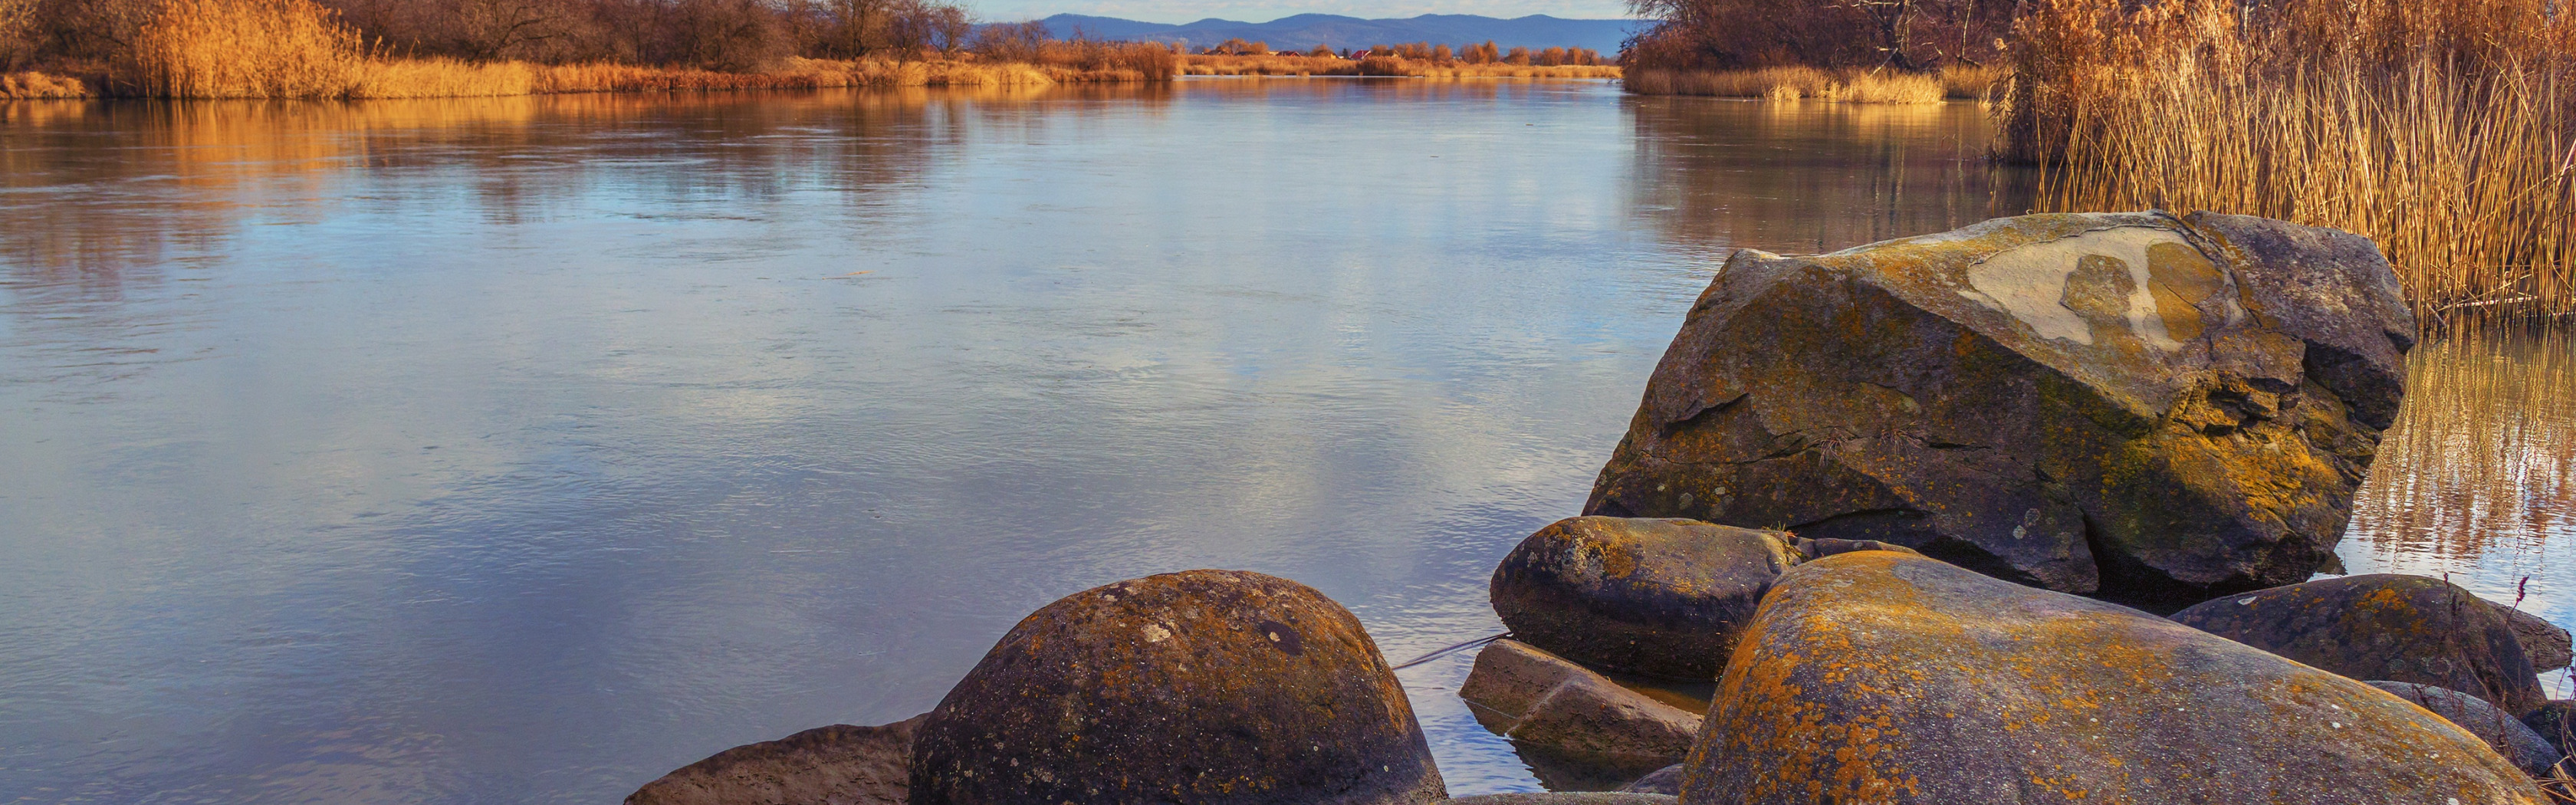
446, 78
1217, 65
1810, 83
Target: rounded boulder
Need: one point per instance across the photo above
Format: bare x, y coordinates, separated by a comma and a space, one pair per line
1886, 678
1205, 686
2383, 626
1647, 596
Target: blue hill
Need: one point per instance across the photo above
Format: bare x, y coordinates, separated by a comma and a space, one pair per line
1305, 31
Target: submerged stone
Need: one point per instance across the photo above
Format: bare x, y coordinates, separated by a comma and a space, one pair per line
1542, 701
1655, 597
2383, 626
1206, 686
835, 765
2145, 407
1886, 678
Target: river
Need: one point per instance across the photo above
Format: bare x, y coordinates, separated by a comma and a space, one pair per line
523, 449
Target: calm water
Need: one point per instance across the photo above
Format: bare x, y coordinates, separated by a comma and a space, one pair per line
520, 450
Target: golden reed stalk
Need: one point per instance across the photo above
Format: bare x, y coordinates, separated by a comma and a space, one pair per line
1797, 83
2461, 165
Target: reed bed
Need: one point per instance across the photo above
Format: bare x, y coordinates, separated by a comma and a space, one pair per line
32, 86
1793, 83
2459, 162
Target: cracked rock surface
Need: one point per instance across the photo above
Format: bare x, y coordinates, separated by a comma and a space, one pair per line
2139, 406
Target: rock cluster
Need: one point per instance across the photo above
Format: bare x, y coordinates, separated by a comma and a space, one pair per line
2135, 405
1960, 432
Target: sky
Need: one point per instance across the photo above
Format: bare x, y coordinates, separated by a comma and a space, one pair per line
1179, 11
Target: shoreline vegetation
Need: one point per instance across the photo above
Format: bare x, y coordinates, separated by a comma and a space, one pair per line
363, 49
2444, 132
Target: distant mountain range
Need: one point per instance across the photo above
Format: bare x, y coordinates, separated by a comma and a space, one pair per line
1305, 31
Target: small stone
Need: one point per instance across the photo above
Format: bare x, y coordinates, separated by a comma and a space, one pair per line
2546, 644
1655, 597
1540, 700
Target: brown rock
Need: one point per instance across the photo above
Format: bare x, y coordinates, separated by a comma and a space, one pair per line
2135, 405
1540, 700
834, 765
1568, 798
1206, 686
1885, 678
2383, 626
2542, 641
1656, 597
1666, 780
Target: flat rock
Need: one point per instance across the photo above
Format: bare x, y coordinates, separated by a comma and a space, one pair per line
1540, 700
1655, 597
835, 765
2144, 407
2546, 644
2516, 741
1885, 678
2383, 626
1205, 686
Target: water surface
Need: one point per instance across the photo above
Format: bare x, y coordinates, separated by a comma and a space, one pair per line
523, 449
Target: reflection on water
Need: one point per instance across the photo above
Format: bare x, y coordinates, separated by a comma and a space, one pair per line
522, 449
2477, 481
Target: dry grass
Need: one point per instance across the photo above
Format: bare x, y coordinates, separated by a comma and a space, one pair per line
1382, 66
1970, 83
29, 86
243, 49
2461, 165
1792, 83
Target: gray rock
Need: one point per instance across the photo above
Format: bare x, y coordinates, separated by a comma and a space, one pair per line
1568, 798
1541, 700
1666, 780
835, 765
2546, 644
1206, 686
2510, 737
2134, 405
1656, 597
2554, 722
2383, 626
1886, 678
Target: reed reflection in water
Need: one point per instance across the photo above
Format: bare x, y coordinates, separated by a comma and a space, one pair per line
523, 449
2477, 480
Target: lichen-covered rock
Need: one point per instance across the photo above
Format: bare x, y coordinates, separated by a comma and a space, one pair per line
1666, 780
2508, 736
2547, 645
1540, 700
1885, 678
835, 765
1206, 686
1655, 597
2149, 408
2383, 626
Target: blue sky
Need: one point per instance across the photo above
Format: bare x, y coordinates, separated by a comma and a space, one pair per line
1265, 10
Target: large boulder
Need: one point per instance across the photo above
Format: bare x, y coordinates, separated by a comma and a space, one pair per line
2383, 626
2149, 408
835, 765
2508, 736
1542, 701
1881, 677
1655, 597
1206, 686
2547, 645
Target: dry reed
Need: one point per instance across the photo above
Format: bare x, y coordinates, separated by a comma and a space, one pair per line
243, 49
29, 86
1792, 83
2466, 178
